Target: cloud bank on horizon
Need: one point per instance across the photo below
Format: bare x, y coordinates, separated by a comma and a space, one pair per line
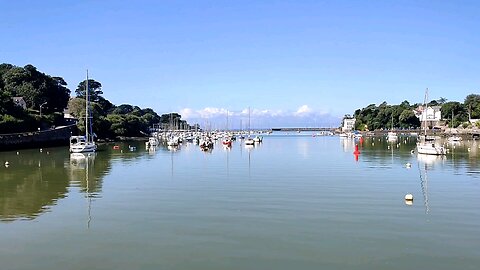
217, 118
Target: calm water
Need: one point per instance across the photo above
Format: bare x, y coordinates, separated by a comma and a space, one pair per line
293, 202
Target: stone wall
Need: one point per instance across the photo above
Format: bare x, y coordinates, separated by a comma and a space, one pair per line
51, 137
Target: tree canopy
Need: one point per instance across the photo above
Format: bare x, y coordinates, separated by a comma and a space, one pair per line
94, 90
35, 87
38, 88
386, 116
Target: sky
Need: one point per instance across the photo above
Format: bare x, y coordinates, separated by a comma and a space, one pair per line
293, 63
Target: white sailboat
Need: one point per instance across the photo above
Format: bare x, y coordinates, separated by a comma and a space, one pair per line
392, 136
249, 140
427, 145
82, 144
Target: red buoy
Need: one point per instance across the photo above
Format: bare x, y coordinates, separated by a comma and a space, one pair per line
356, 152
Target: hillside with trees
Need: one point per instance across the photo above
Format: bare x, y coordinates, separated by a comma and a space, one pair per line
46, 97
402, 116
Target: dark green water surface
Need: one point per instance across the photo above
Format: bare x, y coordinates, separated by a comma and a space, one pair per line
292, 202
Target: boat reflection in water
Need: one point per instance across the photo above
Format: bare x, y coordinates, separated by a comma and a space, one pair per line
82, 164
427, 162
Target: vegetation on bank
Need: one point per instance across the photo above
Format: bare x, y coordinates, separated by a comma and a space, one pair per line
402, 116
46, 98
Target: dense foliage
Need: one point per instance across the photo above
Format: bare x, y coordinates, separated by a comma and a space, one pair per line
402, 116
386, 116
46, 98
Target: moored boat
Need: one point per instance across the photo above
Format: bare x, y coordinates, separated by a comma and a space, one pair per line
81, 144
427, 145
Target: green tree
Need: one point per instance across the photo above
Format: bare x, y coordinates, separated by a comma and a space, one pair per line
94, 90
408, 119
35, 87
123, 109
117, 124
105, 105
76, 107
472, 104
455, 113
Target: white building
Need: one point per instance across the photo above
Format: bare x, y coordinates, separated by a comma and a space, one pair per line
432, 115
19, 101
348, 124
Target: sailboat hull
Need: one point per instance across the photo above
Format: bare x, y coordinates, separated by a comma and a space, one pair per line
430, 149
83, 148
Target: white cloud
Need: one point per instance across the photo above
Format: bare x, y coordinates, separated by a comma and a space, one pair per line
261, 118
303, 110
187, 113
208, 112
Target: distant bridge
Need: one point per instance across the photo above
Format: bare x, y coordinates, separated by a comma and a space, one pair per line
305, 129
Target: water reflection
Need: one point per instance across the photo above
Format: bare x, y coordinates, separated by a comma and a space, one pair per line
426, 163
82, 165
36, 180
32, 184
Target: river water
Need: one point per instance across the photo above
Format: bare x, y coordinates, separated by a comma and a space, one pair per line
292, 202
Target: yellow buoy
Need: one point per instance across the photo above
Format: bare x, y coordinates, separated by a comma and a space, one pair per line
7, 164
409, 197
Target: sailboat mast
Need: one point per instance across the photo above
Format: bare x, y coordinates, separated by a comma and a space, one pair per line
249, 122
87, 115
425, 111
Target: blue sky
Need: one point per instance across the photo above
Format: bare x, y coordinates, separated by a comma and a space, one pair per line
299, 63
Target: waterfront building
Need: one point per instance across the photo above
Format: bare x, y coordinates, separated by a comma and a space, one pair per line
19, 101
432, 115
348, 124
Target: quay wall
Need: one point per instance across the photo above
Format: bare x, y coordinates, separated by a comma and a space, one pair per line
44, 138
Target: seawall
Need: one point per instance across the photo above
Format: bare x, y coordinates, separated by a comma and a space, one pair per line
44, 138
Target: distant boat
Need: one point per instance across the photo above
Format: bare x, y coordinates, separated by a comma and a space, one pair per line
152, 142
206, 144
173, 141
454, 139
227, 142
82, 144
392, 136
249, 141
427, 145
